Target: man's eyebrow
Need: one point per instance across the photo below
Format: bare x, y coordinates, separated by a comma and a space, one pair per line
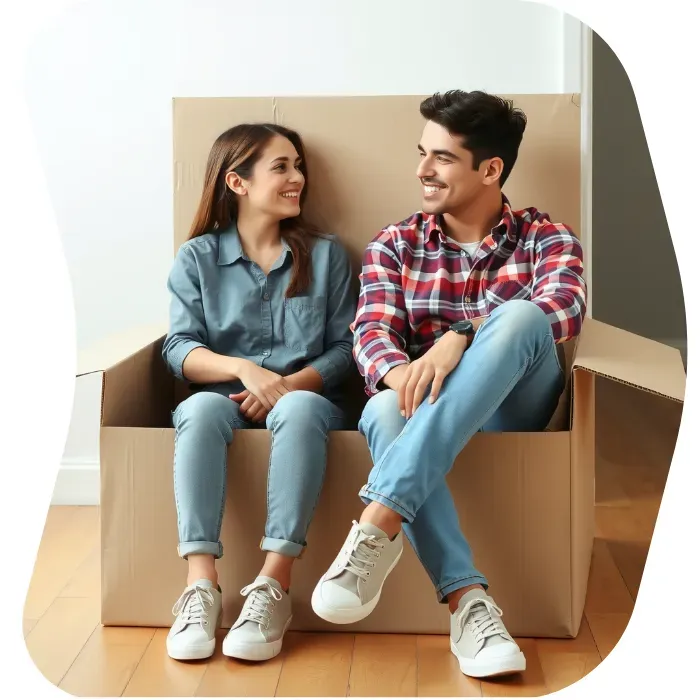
440, 152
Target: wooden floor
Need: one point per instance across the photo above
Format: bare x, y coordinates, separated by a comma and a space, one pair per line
636, 439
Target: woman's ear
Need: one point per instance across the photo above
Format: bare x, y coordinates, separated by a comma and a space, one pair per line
236, 184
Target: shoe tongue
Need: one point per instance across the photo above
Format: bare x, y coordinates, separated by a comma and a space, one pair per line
370, 529
202, 583
271, 581
471, 595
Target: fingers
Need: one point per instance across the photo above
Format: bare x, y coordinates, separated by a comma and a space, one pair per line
260, 416
239, 397
250, 403
401, 391
438, 379
421, 386
410, 389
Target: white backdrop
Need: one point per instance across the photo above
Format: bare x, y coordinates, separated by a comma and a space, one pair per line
100, 83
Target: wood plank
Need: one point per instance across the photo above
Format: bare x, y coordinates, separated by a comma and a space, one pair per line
562, 670
316, 665
107, 662
85, 581
157, 675
70, 536
565, 661
226, 677
607, 629
384, 665
528, 684
607, 592
438, 673
60, 634
28, 625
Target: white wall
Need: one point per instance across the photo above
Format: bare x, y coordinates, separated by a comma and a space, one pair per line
100, 83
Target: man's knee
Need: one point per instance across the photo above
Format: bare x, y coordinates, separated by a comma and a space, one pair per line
382, 411
517, 318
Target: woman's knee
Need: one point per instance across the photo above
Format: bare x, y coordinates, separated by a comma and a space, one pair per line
207, 411
301, 408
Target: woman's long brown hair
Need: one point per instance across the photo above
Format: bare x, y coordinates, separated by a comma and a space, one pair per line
238, 150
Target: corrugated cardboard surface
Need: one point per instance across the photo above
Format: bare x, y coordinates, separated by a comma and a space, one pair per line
512, 492
362, 155
524, 500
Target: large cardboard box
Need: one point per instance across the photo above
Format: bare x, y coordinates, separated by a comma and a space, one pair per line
525, 500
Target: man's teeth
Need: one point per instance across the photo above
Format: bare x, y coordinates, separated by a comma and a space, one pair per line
432, 188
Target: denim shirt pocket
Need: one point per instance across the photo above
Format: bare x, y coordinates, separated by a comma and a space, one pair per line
304, 324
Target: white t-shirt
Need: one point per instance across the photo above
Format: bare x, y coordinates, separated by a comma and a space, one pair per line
469, 248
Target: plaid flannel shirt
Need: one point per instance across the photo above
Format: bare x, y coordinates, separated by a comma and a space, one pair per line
415, 283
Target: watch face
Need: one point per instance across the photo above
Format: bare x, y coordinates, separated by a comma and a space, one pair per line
462, 327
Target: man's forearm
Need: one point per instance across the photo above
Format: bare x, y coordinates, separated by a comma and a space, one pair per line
393, 378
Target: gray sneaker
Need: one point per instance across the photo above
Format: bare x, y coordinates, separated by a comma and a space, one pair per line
198, 612
267, 612
350, 589
479, 639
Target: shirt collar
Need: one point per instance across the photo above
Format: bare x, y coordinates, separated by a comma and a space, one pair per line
507, 225
231, 249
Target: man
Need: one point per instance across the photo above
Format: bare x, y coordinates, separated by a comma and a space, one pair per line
461, 309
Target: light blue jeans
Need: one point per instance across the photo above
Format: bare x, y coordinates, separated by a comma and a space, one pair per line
510, 379
205, 425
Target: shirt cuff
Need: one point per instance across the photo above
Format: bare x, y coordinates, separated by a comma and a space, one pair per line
177, 355
382, 366
325, 368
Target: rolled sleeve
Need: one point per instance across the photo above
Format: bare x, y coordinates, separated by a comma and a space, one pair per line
187, 329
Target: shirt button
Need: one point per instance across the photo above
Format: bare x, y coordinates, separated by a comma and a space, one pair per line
266, 353
266, 296
464, 253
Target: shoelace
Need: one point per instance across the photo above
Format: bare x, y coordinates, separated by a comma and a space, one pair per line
260, 602
480, 612
362, 552
191, 606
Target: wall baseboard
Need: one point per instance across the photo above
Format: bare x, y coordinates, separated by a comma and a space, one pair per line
77, 484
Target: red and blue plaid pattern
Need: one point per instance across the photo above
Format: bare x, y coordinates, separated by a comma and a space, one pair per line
415, 283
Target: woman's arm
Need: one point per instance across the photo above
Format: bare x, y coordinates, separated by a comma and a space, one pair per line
185, 348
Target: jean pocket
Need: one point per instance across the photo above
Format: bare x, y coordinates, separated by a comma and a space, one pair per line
304, 324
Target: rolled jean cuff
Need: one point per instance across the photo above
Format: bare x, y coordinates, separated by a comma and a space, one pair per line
184, 549
444, 590
284, 547
368, 496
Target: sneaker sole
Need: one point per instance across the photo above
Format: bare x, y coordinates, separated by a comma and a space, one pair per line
515, 663
346, 616
255, 652
195, 653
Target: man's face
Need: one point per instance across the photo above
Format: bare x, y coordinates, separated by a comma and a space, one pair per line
450, 183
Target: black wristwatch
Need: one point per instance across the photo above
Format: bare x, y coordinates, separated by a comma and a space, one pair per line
465, 328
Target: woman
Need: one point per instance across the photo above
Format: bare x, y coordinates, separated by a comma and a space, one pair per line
261, 306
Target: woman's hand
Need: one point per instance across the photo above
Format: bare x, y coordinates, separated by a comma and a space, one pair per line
268, 387
251, 407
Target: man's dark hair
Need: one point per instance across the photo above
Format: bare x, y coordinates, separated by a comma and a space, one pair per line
490, 126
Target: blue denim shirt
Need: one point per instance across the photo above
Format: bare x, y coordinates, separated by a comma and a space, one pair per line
223, 301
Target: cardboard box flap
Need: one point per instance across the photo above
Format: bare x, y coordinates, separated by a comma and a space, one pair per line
114, 348
630, 359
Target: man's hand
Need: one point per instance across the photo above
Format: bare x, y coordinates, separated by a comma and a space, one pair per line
251, 407
433, 367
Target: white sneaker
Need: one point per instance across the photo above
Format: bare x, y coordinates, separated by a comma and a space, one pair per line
198, 612
267, 613
479, 639
350, 590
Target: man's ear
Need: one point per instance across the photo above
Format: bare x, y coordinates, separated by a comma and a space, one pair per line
236, 184
493, 169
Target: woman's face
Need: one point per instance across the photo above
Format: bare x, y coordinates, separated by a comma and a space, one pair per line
275, 186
